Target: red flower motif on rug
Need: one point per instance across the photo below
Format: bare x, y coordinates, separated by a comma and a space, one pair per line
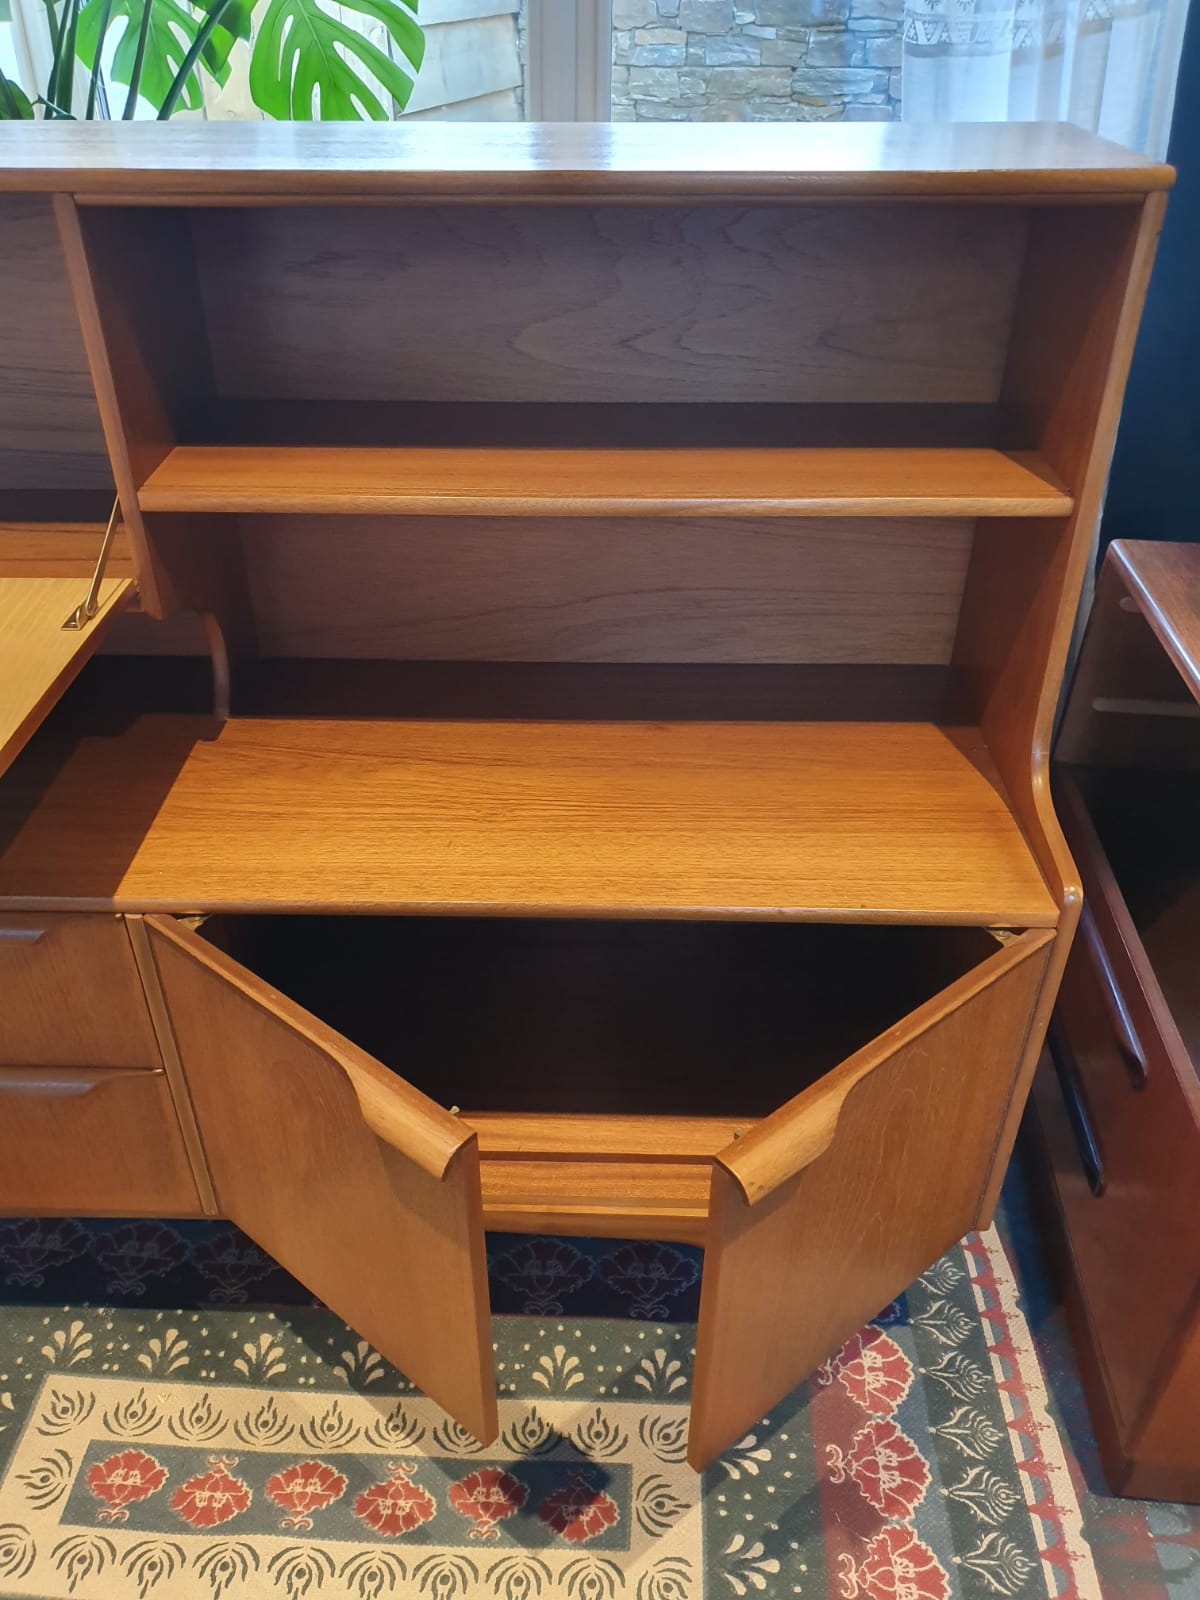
899, 1566
303, 1488
579, 1511
397, 1505
128, 1476
212, 1497
873, 1370
888, 1468
487, 1497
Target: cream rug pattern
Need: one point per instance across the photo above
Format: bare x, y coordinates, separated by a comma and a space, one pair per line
226, 1454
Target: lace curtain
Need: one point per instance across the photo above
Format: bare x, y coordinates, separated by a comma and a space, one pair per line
1107, 65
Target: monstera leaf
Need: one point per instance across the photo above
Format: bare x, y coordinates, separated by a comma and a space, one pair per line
15, 105
308, 65
170, 30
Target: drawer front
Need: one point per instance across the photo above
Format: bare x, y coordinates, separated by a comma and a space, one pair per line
85, 1139
72, 994
1133, 1221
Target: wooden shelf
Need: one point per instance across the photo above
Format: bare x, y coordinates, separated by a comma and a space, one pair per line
811, 821
764, 482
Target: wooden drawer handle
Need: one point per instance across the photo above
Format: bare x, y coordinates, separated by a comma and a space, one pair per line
62, 1083
1128, 1042
1090, 1157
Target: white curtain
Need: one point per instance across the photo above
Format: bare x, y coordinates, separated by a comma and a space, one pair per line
1107, 65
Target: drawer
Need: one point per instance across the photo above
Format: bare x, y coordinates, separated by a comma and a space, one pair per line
86, 1139
1135, 1227
72, 994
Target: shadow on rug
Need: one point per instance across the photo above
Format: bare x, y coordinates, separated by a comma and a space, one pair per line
225, 1454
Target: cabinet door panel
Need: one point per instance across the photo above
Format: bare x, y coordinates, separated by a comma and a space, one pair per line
360, 1186
830, 1207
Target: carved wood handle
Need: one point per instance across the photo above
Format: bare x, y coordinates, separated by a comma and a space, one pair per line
63, 1083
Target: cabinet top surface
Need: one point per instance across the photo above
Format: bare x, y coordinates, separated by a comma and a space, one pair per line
1164, 580
228, 162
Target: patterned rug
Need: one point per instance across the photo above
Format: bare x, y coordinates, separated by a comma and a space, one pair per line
226, 1453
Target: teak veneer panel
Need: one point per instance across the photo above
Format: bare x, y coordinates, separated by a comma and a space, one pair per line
866, 822
61, 550
623, 305
38, 657
213, 161
836, 1202
50, 435
1164, 581
363, 1188
604, 483
687, 591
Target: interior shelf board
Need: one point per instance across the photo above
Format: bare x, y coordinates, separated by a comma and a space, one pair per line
654, 481
805, 821
61, 550
631, 1199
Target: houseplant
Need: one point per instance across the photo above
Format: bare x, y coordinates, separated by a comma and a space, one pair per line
305, 63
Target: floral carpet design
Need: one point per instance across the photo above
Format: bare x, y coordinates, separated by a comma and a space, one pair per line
222, 1454
141, 1262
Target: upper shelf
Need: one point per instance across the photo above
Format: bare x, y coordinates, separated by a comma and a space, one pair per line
215, 163
741, 482
813, 821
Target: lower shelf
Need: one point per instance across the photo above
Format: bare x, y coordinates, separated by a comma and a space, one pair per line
518, 813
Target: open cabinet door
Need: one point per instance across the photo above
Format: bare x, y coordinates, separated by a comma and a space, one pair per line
362, 1187
830, 1207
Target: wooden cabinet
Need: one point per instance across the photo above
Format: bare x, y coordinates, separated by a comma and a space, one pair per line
1118, 1103
102, 1140
72, 995
634, 572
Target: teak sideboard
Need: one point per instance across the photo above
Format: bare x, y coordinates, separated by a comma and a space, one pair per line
562, 744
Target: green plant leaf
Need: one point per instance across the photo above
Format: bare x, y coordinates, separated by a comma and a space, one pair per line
173, 27
235, 23
15, 104
295, 59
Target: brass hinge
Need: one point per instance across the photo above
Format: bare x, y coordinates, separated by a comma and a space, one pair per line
88, 607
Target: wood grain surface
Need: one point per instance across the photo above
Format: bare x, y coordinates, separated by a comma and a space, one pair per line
639, 304
50, 436
61, 550
92, 1142
1164, 579
221, 162
366, 1191
1073, 335
604, 483
686, 591
38, 657
71, 995
792, 1272
817, 821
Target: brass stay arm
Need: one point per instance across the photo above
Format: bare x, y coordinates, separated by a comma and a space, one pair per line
88, 607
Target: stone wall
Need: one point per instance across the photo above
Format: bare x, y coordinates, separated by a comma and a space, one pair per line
756, 60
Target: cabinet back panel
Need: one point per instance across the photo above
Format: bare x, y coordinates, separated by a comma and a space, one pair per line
50, 434
801, 303
462, 589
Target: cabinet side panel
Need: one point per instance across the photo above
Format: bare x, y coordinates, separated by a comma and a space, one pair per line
50, 434
1080, 298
